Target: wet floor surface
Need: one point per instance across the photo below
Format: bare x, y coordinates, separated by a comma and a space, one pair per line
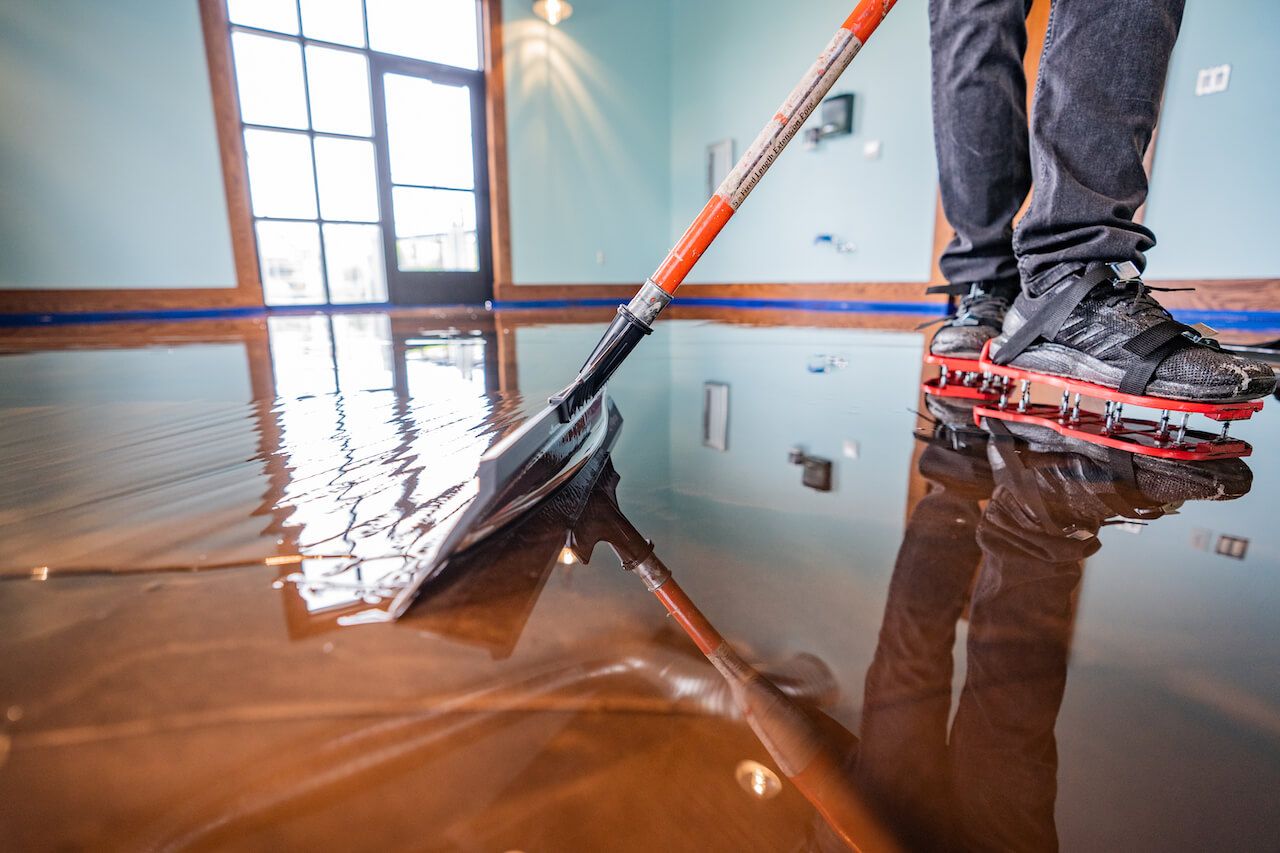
976, 640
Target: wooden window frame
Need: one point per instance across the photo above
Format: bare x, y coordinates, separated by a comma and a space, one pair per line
246, 292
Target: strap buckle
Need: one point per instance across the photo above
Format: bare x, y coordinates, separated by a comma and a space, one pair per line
1124, 272
1203, 334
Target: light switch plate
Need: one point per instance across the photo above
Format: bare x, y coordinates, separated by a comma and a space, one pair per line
1210, 81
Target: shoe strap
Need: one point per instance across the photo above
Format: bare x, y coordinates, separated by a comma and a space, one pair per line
961, 289
1152, 346
1045, 322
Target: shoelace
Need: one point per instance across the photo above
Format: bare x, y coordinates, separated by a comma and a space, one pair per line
982, 305
978, 304
1137, 293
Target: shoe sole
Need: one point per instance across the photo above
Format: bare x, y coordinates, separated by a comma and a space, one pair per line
1057, 360
1228, 478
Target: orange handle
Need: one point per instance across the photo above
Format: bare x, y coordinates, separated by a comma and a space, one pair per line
780, 130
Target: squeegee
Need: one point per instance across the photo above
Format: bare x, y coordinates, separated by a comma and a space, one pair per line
522, 469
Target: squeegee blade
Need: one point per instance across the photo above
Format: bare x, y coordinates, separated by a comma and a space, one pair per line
513, 477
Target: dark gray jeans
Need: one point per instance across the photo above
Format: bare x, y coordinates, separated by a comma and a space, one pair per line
1097, 98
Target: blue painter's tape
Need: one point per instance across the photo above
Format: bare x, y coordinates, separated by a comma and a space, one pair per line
1237, 320
749, 304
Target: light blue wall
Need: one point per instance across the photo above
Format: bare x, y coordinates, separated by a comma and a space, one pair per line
587, 129
610, 113
1216, 180
732, 65
109, 169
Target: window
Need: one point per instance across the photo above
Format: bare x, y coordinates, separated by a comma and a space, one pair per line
365, 148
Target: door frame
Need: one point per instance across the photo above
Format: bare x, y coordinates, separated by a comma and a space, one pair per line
248, 292
420, 287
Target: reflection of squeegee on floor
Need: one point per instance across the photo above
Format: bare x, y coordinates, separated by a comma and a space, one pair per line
525, 467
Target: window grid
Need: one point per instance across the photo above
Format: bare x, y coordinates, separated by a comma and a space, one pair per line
303, 42
376, 138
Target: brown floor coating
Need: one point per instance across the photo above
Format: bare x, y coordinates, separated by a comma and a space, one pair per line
992, 663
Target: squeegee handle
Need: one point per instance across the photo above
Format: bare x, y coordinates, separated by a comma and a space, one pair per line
635, 319
781, 129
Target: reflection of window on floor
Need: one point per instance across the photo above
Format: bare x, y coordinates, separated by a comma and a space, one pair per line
303, 77
321, 354
445, 368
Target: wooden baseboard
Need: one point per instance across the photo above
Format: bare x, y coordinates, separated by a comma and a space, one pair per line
1238, 294
1256, 294
73, 301
1246, 295
857, 291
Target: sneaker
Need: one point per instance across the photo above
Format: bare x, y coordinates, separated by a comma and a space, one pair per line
1160, 482
978, 318
1104, 326
1063, 488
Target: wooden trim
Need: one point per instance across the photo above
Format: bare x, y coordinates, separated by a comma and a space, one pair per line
495, 94
1239, 294
848, 291
1148, 163
942, 234
772, 317
235, 175
508, 366
1257, 294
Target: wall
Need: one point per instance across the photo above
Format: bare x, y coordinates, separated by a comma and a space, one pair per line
587, 121
608, 119
1215, 195
1212, 200
732, 66
109, 158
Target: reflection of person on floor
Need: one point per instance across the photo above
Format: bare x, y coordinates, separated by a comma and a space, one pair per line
990, 783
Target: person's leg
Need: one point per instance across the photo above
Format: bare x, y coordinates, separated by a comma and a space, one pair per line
1003, 749
980, 131
901, 765
1101, 81
1084, 312
984, 168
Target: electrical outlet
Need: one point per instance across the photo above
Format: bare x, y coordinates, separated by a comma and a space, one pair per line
1211, 81
871, 149
600, 257
1234, 547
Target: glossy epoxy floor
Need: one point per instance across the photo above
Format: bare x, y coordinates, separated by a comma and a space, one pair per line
1030, 648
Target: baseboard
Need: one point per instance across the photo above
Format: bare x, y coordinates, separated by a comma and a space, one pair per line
86, 301
1228, 294
1246, 295
856, 291
1243, 295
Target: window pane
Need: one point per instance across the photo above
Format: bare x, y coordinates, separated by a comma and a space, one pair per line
348, 186
301, 355
363, 345
278, 15
280, 178
435, 229
429, 132
340, 21
444, 31
290, 256
339, 82
353, 255
269, 80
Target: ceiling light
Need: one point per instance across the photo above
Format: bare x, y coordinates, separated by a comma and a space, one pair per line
552, 11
